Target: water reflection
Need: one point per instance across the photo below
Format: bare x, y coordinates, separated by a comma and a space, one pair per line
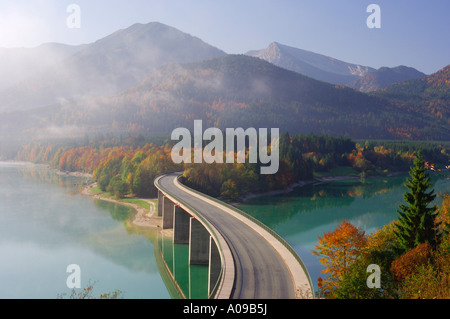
319, 202
41, 209
190, 281
303, 215
45, 225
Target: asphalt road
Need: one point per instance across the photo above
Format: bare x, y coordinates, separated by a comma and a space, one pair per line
260, 271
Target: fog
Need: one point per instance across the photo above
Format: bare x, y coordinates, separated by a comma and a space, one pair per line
145, 80
41, 87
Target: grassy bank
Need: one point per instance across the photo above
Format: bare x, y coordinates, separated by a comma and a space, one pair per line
146, 209
142, 203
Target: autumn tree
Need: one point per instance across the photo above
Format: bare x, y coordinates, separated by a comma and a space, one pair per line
417, 222
229, 190
406, 264
117, 187
338, 250
377, 251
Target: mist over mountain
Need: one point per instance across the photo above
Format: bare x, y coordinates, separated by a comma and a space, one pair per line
18, 64
384, 77
150, 79
229, 91
241, 91
317, 66
107, 66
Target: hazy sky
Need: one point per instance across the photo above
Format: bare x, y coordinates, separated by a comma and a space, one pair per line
413, 33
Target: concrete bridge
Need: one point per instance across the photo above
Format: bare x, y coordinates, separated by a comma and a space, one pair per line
246, 259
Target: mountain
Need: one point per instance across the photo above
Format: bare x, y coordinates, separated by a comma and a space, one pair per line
384, 77
429, 97
17, 64
228, 92
150, 79
108, 66
311, 64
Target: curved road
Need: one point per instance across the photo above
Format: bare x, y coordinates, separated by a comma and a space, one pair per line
260, 271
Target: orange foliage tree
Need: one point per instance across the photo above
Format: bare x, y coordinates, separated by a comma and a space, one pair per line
338, 250
406, 264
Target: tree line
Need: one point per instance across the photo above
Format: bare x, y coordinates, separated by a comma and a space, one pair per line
127, 167
411, 254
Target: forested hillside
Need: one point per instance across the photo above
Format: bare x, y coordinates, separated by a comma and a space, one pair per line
149, 79
429, 96
232, 91
127, 167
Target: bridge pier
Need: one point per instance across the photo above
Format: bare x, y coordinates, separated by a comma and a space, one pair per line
167, 213
181, 226
198, 243
160, 203
187, 229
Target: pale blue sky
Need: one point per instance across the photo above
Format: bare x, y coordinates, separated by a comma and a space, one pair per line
413, 33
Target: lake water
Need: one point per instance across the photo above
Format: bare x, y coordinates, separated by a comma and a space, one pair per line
46, 225
310, 211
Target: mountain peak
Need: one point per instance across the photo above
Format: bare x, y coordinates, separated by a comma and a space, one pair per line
109, 65
274, 45
385, 76
151, 26
317, 66
140, 31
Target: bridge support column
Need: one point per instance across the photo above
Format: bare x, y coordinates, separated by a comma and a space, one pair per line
167, 213
181, 225
214, 265
160, 203
198, 243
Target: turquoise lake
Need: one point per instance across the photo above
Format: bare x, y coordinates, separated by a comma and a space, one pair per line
306, 213
46, 225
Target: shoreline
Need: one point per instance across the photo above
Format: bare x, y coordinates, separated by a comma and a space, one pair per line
74, 174
142, 218
291, 188
149, 219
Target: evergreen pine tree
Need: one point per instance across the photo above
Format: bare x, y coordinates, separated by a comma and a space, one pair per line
417, 221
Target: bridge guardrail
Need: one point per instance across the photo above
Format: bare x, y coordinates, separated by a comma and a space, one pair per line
265, 227
211, 230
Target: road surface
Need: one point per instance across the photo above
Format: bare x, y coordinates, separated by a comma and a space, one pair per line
260, 270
